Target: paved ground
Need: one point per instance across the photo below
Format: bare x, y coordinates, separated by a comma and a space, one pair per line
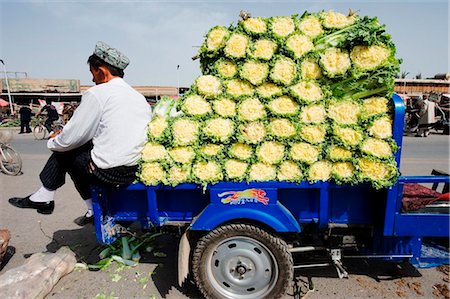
156, 277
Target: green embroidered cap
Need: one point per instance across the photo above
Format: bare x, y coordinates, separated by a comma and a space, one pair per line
111, 55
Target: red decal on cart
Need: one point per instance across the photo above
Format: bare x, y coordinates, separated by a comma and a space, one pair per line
243, 197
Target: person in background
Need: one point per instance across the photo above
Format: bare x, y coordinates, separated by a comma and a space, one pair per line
68, 112
102, 142
422, 121
52, 115
25, 118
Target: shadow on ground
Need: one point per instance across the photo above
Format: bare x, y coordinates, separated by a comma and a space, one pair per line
376, 270
86, 248
165, 274
84, 244
81, 241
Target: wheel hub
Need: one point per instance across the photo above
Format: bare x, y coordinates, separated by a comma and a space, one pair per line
242, 267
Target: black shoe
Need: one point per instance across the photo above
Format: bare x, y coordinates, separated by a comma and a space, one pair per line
26, 203
21, 132
29, 131
84, 220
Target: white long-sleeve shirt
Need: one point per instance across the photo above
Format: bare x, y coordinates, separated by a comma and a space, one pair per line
115, 117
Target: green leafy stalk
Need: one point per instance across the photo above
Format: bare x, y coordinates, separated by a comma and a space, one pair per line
126, 251
366, 31
380, 82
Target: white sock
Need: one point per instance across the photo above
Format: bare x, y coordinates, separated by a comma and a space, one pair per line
90, 208
43, 195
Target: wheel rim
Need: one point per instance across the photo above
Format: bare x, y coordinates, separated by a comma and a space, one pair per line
39, 132
11, 161
242, 267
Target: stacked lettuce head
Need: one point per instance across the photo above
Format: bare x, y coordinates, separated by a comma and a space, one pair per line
288, 98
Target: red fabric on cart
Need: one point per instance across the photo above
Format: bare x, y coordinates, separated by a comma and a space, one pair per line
416, 196
445, 196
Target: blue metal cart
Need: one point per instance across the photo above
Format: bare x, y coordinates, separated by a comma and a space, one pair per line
244, 235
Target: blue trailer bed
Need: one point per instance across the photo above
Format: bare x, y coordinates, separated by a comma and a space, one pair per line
227, 215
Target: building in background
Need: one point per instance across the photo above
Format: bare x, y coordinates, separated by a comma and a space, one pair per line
26, 91
153, 93
417, 87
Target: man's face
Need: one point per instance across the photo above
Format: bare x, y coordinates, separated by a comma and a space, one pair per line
97, 75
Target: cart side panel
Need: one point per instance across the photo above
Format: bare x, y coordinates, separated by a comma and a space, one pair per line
400, 223
181, 205
155, 205
303, 203
330, 203
150, 206
357, 205
129, 204
426, 225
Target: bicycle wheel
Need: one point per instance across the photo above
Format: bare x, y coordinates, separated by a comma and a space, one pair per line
39, 132
11, 162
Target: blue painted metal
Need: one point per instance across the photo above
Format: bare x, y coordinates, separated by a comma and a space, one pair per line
430, 225
98, 213
290, 205
362, 206
397, 129
398, 125
397, 132
152, 210
275, 216
424, 179
245, 201
398, 223
391, 208
324, 206
391, 246
104, 224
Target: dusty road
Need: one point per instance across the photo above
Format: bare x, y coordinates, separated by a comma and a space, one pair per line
156, 277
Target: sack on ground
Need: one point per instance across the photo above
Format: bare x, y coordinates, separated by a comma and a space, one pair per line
37, 277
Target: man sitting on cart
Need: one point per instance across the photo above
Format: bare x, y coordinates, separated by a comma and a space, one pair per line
101, 143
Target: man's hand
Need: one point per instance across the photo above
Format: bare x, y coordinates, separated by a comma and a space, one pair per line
54, 134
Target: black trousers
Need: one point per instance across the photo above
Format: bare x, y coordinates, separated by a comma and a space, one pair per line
49, 123
84, 173
25, 126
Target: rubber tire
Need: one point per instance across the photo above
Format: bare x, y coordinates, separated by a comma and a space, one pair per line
39, 132
275, 245
9, 152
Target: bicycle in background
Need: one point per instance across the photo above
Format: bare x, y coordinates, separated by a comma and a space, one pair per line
40, 131
10, 163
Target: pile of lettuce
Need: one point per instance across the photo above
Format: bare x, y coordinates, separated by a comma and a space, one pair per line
288, 98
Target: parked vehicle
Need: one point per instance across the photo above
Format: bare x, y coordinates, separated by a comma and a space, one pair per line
421, 121
239, 239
